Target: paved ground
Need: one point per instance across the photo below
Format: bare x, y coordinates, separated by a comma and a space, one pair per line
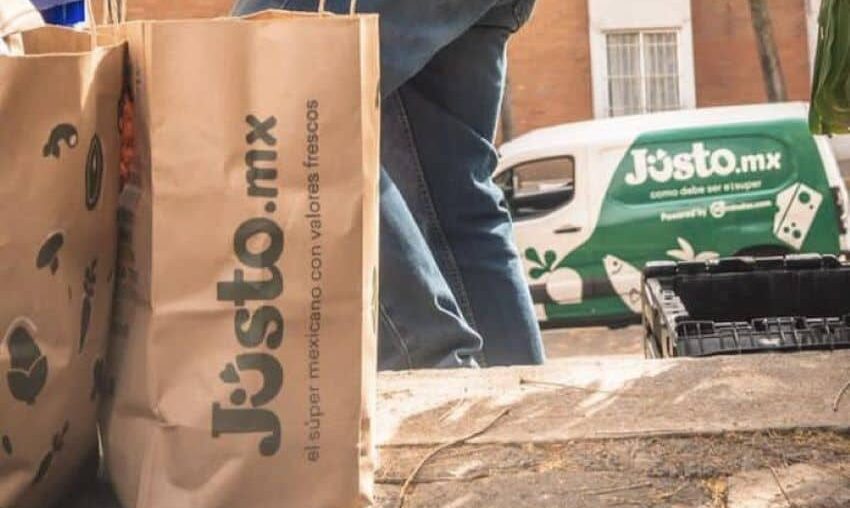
572, 342
622, 431
730, 470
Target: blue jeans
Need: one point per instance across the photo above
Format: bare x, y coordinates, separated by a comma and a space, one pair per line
452, 288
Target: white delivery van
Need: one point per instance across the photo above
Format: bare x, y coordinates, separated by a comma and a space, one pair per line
594, 201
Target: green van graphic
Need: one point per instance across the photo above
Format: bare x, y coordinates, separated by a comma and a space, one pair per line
594, 202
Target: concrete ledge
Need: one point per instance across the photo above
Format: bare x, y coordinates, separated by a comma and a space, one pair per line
597, 398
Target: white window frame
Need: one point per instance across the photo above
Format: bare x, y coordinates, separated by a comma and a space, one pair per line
613, 16
642, 64
812, 13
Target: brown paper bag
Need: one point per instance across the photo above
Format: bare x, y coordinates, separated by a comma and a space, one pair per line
58, 201
246, 353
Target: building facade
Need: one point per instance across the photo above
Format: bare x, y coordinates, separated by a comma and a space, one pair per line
584, 59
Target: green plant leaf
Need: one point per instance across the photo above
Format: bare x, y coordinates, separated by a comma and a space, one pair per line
830, 99
536, 273
532, 255
551, 257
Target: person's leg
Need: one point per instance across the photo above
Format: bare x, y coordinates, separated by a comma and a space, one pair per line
437, 147
446, 116
421, 324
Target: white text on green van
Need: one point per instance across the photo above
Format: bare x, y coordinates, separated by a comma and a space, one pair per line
700, 162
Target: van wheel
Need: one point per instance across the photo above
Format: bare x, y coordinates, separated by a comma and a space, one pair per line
763, 251
624, 322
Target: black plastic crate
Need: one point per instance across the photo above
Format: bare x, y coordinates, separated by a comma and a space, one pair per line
746, 305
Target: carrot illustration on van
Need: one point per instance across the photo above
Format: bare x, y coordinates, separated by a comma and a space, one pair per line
593, 202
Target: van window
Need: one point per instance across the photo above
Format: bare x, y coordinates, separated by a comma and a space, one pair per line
536, 188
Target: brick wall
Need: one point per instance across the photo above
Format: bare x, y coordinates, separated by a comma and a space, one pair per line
550, 57
550, 66
177, 9
726, 55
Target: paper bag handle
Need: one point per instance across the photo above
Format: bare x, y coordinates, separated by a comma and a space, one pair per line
115, 11
112, 14
11, 40
352, 9
92, 23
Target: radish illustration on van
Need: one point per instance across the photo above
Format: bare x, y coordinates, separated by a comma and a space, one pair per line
593, 202
564, 285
